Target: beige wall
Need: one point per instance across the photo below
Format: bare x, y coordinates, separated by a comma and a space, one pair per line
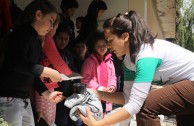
114, 7
150, 16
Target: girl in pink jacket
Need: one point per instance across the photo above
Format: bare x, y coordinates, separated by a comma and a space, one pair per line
98, 70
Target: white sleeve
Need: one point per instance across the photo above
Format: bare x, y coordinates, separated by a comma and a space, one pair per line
137, 97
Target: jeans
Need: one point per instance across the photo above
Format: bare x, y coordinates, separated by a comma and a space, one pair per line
16, 111
175, 99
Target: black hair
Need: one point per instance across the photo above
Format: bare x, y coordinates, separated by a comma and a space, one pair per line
28, 15
80, 18
57, 20
93, 38
80, 39
132, 23
95, 6
68, 4
62, 27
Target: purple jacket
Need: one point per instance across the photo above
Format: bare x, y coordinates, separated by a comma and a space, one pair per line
91, 74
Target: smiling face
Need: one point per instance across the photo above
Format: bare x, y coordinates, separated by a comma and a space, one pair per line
44, 23
101, 48
118, 45
80, 49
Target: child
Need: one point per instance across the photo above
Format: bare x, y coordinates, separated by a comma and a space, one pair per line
47, 110
78, 24
80, 53
98, 70
61, 39
68, 8
20, 68
90, 23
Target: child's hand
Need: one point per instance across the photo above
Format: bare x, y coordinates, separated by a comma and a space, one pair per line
54, 96
111, 89
105, 89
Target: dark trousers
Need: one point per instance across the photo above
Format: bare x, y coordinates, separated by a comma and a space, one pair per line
175, 99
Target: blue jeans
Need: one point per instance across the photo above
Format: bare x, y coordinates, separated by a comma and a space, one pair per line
16, 111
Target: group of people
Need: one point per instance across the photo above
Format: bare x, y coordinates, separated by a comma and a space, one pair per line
36, 53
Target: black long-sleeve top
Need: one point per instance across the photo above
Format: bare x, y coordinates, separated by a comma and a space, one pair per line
20, 69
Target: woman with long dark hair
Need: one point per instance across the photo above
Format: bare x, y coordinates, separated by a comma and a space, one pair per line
90, 24
148, 60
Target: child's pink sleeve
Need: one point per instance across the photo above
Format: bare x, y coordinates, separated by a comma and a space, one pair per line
54, 57
88, 74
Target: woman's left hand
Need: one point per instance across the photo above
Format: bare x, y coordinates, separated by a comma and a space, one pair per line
88, 119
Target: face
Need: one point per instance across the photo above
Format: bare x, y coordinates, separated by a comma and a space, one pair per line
100, 12
118, 45
80, 49
78, 24
101, 47
61, 40
44, 23
70, 12
53, 31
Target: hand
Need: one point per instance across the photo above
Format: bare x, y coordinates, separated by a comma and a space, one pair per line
39, 116
54, 75
89, 119
55, 96
105, 89
111, 89
95, 91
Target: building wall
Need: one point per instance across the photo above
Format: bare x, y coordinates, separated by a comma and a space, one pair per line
115, 7
150, 17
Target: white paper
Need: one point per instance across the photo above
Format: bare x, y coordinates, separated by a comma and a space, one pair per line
64, 77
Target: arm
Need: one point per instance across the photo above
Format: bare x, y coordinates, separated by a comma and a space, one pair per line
87, 74
53, 55
112, 80
139, 92
6, 18
54, 75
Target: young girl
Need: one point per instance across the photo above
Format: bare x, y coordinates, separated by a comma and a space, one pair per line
51, 58
90, 23
98, 70
80, 53
61, 39
20, 68
68, 8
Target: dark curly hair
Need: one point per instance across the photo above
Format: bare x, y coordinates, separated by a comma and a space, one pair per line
68, 4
